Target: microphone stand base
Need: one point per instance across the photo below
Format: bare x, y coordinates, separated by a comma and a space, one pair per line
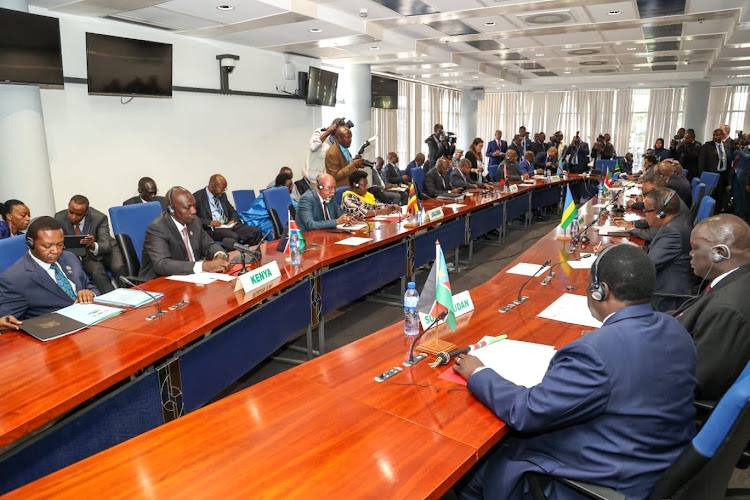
156, 315
417, 359
513, 304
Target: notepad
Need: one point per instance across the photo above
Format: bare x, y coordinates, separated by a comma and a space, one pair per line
351, 227
90, 314
525, 269
571, 308
126, 297
353, 241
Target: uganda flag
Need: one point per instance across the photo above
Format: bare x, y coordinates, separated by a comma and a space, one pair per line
412, 206
570, 211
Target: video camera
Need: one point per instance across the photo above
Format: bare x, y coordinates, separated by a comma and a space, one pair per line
448, 137
345, 123
361, 151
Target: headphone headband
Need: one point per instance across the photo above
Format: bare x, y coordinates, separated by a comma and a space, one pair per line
598, 293
661, 213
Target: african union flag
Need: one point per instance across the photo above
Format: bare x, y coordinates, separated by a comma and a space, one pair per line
570, 211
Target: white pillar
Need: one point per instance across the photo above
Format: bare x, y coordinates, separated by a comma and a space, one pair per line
696, 107
358, 96
24, 162
469, 109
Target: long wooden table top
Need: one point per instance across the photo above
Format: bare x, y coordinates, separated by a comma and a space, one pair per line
327, 427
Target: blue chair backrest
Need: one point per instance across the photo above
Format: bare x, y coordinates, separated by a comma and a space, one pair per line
417, 175
278, 199
605, 165
711, 435
706, 209
11, 249
492, 171
133, 221
694, 182
685, 172
243, 198
711, 180
339, 194
699, 191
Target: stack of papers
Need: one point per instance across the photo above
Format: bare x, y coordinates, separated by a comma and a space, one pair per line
571, 308
201, 278
90, 314
525, 269
126, 297
353, 241
612, 231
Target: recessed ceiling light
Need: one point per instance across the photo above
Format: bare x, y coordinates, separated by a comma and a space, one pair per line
316, 30
632, 48
548, 18
614, 12
374, 47
489, 23
584, 52
503, 85
475, 77
225, 7
636, 69
540, 54
566, 72
640, 83
418, 60
592, 63
573, 86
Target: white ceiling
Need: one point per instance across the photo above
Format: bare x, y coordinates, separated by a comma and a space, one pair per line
493, 44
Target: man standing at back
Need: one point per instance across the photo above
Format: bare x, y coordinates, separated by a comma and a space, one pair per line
215, 210
606, 412
339, 161
496, 149
714, 156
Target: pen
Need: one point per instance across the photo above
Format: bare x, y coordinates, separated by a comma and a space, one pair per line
444, 357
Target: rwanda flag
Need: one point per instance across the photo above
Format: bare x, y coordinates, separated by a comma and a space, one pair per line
570, 211
412, 206
436, 295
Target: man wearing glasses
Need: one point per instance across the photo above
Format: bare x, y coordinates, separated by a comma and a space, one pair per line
147, 192
219, 217
316, 208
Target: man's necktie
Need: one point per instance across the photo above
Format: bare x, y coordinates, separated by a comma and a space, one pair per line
574, 159
63, 282
722, 165
191, 258
77, 229
222, 215
708, 288
325, 210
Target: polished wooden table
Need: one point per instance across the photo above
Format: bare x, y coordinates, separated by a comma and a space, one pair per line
413, 435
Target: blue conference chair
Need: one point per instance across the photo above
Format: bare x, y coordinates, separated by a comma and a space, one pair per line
605, 165
699, 191
11, 249
685, 172
243, 198
694, 182
706, 209
133, 221
711, 180
278, 199
492, 172
339, 194
417, 175
703, 468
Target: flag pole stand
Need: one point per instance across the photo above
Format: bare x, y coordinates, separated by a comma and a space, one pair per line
563, 237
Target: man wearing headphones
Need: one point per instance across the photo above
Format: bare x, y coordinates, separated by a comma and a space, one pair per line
176, 243
719, 318
593, 417
101, 253
45, 279
670, 248
316, 209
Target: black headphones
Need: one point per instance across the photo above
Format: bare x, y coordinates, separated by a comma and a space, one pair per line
716, 257
598, 293
661, 212
356, 184
170, 205
320, 184
29, 243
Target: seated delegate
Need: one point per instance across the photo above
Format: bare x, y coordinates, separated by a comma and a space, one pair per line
15, 218
358, 202
316, 209
257, 214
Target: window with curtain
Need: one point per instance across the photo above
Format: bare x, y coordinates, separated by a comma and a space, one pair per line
726, 105
385, 126
637, 142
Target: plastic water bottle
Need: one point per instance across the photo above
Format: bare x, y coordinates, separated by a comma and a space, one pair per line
574, 227
411, 317
549, 177
601, 190
294, 249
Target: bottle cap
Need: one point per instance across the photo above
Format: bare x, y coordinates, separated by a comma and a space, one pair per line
412, 285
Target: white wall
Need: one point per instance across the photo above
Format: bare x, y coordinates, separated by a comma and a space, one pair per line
100, 148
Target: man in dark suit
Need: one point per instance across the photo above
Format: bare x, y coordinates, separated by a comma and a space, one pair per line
714, 156
719, 321
517, 145
316, 208
215, 210
45, 279
176, 243
539, 145
668, 171
640, 228
391, 171
102, 253
436, 181
670, 248
593, 416
576, 156
146, 192
687, 153
496, 149
460, 176
417, 162
547, 161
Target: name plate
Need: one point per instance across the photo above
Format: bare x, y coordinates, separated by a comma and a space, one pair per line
513, 188
433, 215
259, 280
555, 178
462, 304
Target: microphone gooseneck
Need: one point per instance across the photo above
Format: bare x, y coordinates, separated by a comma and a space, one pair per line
520, 298
158, 306
411, 359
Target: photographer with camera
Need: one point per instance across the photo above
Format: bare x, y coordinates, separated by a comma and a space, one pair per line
557, 140
440, 144
320, 142
677, 141
339, 161
603, 148
576, 156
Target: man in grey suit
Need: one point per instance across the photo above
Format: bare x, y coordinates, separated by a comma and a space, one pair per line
176, 243
147, 191
670, 248
102, 252
460, 176
316, 209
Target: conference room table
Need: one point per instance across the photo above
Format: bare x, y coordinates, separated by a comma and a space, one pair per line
326, 427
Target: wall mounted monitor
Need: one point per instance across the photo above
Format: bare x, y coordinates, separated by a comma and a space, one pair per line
321, 87
384, 92
128, 67
30, 49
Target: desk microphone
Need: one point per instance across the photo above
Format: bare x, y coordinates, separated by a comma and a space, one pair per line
521, 299
158, 306
552, 274
412, 360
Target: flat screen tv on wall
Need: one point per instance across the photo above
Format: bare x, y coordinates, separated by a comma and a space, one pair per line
128, 67
384, 92
321, 87
30, 49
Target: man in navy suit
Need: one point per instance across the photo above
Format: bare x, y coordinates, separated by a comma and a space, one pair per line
606, 412
316, 208
45, 279
496, 149
215, 210
547, 161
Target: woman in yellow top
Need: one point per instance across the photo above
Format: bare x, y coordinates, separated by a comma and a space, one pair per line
357, 201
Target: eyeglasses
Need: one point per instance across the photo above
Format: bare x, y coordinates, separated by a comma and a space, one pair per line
648, 211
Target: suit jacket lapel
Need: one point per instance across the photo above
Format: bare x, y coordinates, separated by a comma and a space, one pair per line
177, 236
40, 277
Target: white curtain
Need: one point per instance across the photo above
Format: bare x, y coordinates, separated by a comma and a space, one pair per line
385, 126
664, 108
727, 105
623, 120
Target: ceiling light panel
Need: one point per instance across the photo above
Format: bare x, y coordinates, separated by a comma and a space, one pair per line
244, 10
660, 8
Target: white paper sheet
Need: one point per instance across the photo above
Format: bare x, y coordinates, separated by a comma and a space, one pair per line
353, 241
126, 297
455, 206
584, 263
570, 308
611, 231
197, 279
523, 363
351, 227
220, 276
600, 205
90, 314
631, 217
525, 269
